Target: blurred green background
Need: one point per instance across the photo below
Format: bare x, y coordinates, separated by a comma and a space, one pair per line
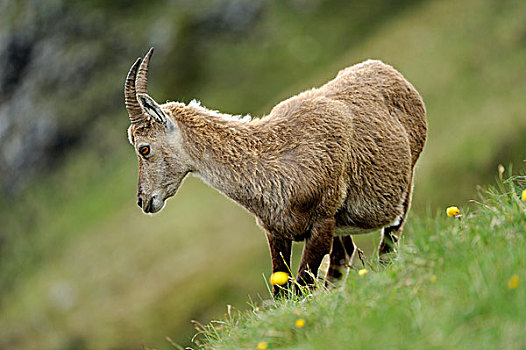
82, 268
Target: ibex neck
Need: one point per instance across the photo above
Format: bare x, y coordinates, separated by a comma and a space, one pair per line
225, 153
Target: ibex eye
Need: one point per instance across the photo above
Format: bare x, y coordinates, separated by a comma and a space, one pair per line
144, 150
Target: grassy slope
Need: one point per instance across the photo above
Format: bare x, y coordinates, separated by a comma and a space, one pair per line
132, 274
449, 288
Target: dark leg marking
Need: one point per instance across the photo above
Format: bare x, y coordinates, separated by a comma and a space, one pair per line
390, 237
339, 259
352, 249
343, 251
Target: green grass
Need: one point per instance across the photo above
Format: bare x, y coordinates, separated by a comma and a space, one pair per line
448, 289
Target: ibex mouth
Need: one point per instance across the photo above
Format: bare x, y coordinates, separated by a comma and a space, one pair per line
148, 207
151, 206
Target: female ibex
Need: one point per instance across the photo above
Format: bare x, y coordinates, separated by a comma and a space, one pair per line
336, 159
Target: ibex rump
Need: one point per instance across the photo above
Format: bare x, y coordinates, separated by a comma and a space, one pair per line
339, 158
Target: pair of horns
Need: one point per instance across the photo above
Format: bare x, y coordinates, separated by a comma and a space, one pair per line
137, 83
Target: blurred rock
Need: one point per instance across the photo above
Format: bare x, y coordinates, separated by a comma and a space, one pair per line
232, 16
56, 57
37, 73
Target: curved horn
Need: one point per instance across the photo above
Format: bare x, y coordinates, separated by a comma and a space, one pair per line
141, 82
130, 96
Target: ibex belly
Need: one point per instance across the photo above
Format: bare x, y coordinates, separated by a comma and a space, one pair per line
354, 230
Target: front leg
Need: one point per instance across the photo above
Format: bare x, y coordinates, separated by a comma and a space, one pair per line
280, 251
317, 245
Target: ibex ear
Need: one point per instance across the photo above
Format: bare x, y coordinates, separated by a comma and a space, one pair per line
153, 109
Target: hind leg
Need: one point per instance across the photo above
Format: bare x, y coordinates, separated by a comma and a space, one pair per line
342, 254
391, 234
390, 237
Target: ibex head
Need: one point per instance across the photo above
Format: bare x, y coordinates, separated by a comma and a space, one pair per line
163, 164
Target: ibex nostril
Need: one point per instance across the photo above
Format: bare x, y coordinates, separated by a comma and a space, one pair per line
139, 202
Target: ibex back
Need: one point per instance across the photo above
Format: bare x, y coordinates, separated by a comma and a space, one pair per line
338, 159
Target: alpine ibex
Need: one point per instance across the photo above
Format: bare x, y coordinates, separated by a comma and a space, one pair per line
338, 159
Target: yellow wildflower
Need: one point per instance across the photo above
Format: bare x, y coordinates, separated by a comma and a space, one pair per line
514, 282
433, 279
523, 195
452, 211
262, 345
362, 272
300, 323
279, 278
